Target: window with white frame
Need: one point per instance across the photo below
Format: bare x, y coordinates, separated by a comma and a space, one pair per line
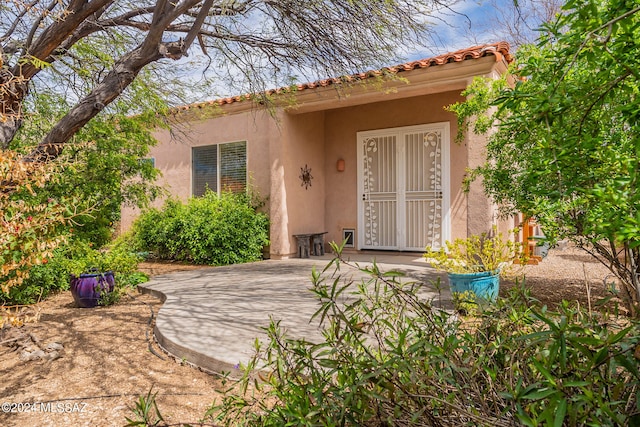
220, 167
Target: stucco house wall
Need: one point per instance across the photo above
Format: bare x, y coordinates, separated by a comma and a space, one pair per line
320, 128
342, 126
172, 154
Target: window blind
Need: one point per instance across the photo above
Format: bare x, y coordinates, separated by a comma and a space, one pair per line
224, 164
205, 169
233, 167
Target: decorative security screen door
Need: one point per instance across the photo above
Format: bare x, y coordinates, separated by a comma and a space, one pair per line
403, 187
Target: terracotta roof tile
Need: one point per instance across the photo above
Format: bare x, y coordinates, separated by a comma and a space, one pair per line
499, 50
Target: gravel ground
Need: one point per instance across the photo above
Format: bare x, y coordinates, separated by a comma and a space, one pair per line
565, 274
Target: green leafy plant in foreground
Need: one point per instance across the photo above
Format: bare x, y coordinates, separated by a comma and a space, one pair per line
388, 357
146, 412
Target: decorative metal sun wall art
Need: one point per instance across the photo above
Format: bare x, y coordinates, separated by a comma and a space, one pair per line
305, 176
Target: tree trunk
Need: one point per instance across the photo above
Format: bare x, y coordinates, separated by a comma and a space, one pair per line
12, 92
8, 130
122, 75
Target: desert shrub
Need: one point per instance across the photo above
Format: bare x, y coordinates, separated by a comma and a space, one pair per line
102, 169
389, 357
75, 258
211, 229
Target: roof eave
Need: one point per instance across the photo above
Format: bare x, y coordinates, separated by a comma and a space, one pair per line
455, 76
447, 72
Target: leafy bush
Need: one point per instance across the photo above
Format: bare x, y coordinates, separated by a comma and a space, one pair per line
477, 253
75, 258
32, 224
211, 229
81, 193
562, 141
102, 167
390, 358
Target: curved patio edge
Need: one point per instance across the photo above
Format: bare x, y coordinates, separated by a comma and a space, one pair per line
199, 360
183, 353
212, 317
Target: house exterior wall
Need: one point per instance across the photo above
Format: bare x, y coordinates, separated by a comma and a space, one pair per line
317, 131
277, 149
294, 208
173, 154
341, 127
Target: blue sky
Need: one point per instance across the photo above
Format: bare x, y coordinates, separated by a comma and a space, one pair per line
468, 23
488, 21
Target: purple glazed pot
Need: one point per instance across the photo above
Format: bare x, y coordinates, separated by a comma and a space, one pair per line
87, 288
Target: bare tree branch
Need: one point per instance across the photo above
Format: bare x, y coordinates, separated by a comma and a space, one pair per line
17, 20
256, 42
52, 37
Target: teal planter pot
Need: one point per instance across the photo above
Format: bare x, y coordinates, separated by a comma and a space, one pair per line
484, 284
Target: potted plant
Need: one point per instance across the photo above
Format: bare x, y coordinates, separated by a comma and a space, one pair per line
476, 263
93, 272
88, 289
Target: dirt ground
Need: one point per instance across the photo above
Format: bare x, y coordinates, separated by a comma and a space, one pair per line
104, 365
90, 366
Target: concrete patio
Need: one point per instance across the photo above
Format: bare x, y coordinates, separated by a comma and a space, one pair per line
212, 316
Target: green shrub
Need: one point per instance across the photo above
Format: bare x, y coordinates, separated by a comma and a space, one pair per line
466, 303
102, 169
211, 229
389, 357
76, 258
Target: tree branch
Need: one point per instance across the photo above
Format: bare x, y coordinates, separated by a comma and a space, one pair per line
122, 75
17, 20
54, 36
195, 29
36, 25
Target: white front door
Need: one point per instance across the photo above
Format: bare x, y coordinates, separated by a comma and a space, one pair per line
403, 187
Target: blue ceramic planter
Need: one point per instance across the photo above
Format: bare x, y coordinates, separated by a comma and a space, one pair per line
87, 288
484, 284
